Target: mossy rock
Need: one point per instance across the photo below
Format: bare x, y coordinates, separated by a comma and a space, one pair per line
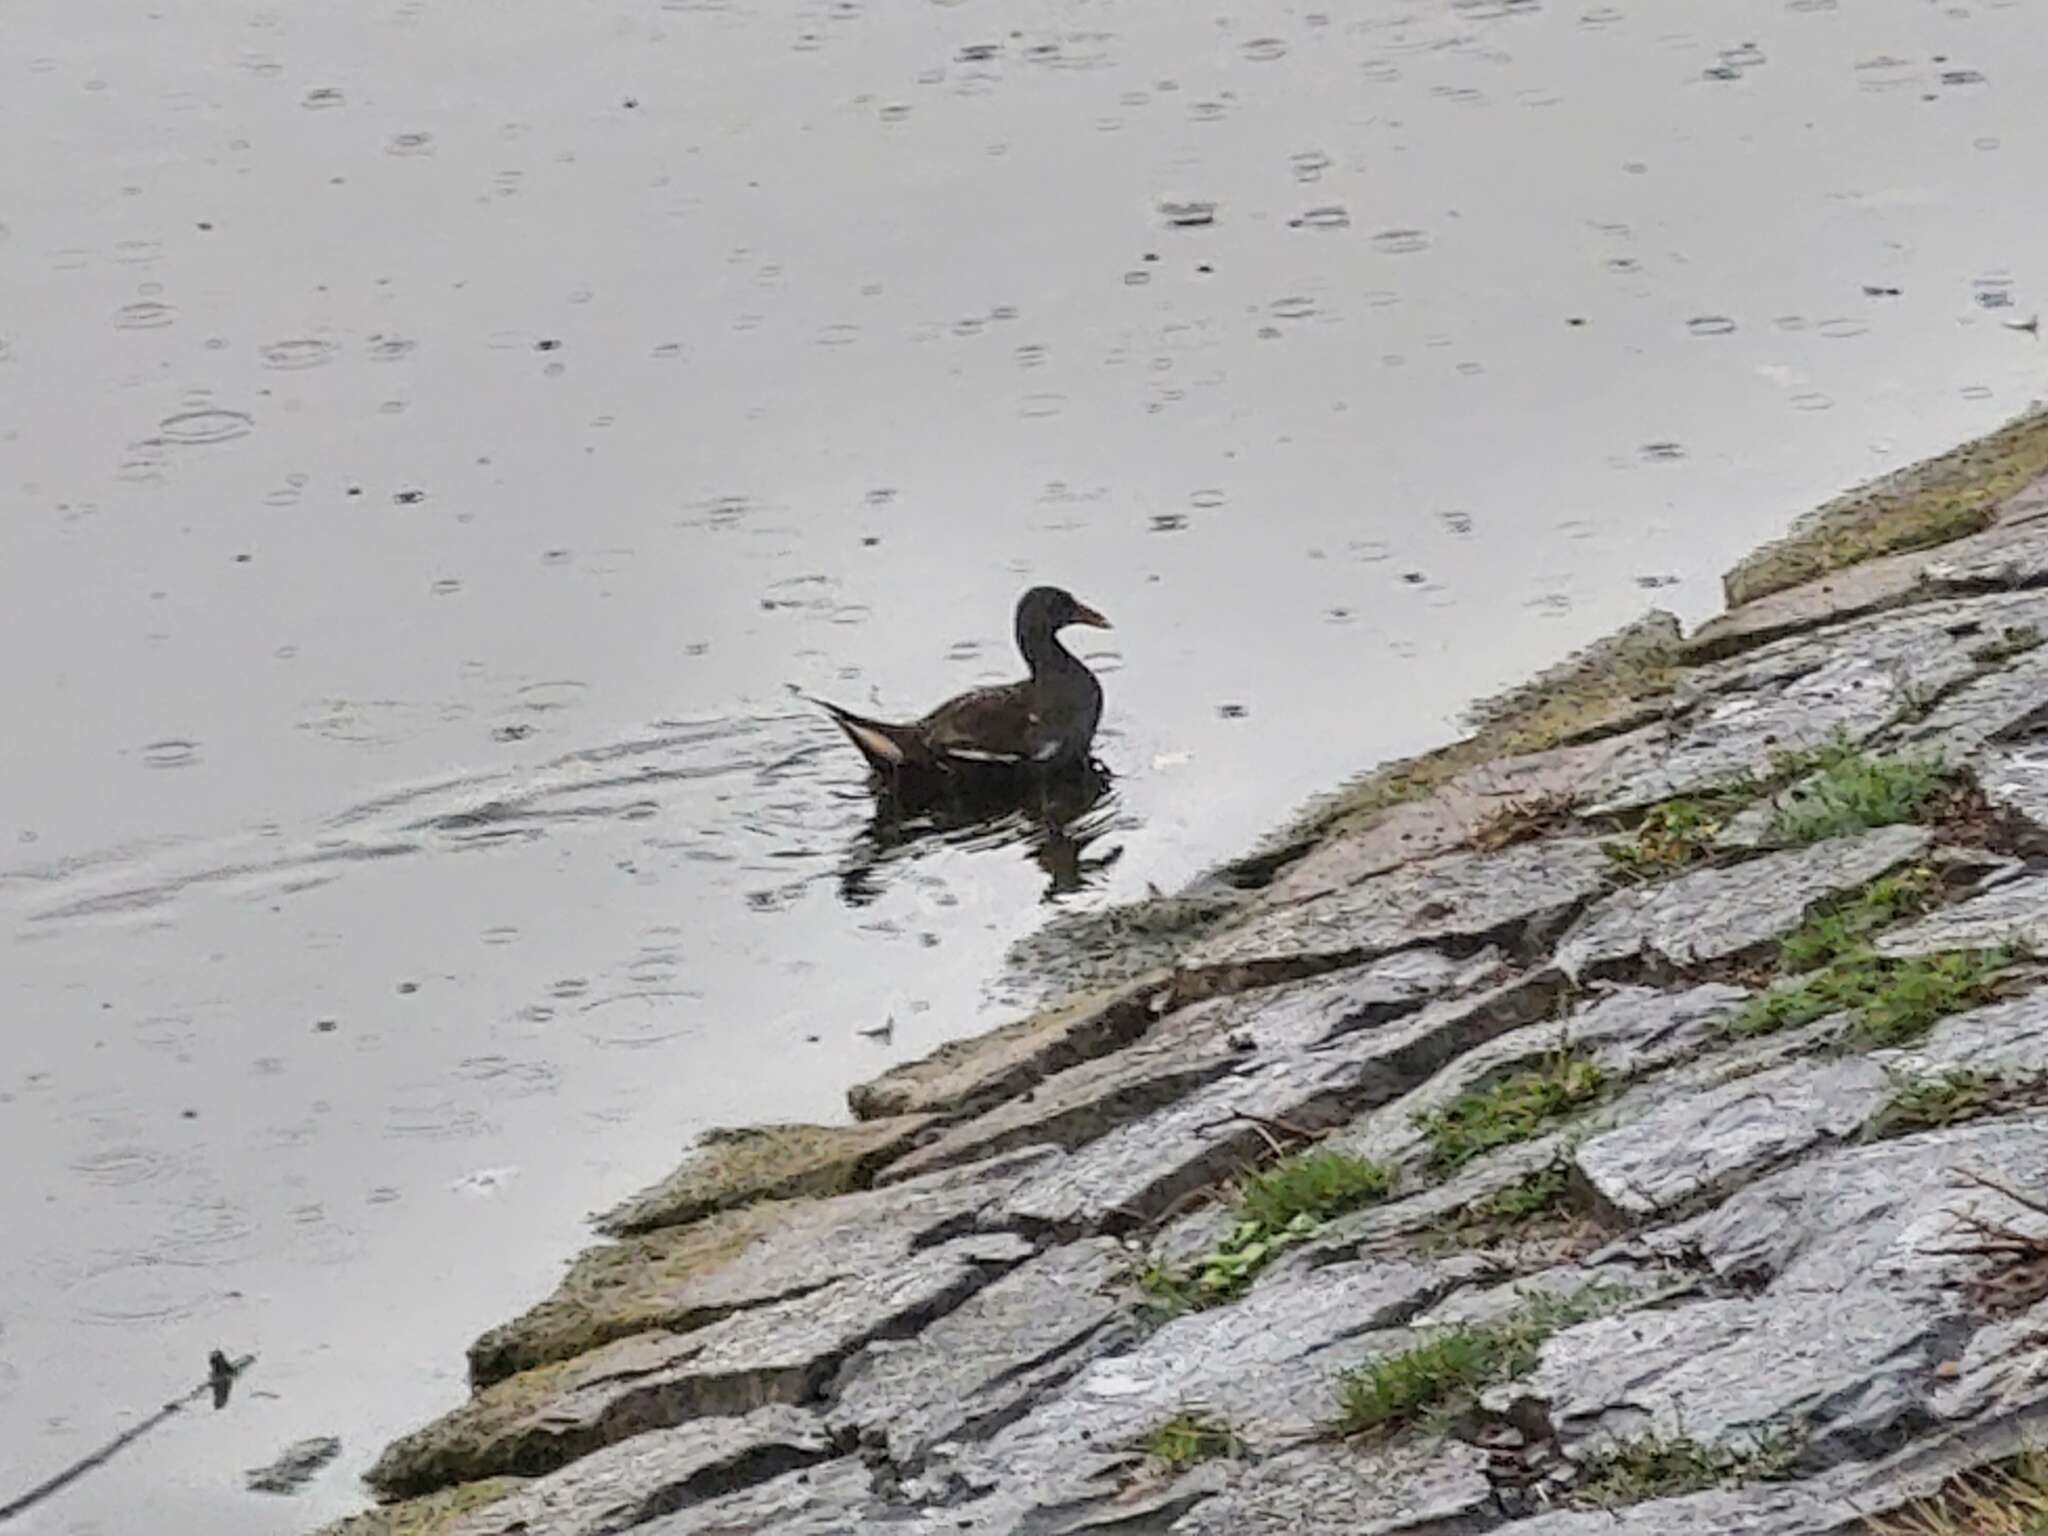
733, 1168
1934, 502
968, 1076
433, 1514
616, 1289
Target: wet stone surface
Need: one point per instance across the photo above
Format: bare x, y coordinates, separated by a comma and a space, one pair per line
1513, 897
1718, 914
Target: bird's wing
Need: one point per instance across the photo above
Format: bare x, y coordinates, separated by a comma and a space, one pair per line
988, 725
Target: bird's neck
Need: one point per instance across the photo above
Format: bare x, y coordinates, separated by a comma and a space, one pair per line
1043, 653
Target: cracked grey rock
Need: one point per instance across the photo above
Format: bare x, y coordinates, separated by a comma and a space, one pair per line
1854, 1305
1851, 1367
2009, 555
684, 1277
1352, 1490
1447, 817
982, 1365
2015, 913
2006, 702
781, 1353
1193, 1047
623, 1486
835, 1499
1267, 1365
1866, 1214
1514, 895
2015, 781
1717, 914
1138, 1170
964, 1077
1699, 1143
1924, 650
1628, 1032
1726, 740
2007, 1039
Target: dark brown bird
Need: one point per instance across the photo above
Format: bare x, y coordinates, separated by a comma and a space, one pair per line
1045, 723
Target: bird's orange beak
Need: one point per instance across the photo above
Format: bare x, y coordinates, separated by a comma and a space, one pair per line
1083, 614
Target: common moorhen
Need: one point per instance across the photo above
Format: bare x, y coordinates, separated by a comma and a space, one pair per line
1044, 723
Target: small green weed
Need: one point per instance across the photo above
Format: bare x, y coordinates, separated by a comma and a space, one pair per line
2015, 640
1539, 1198
1533, 1196
1511, 1110
1789, 767
1652, 1467
1672, 836
1925, 1103
1277, 1207
1844, 926
1442, 1375
1316, 1184
1168, 1292
1892, 1001
1855, 793
1922, 990
1188, 1438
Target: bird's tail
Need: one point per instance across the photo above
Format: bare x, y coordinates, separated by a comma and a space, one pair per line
884, 745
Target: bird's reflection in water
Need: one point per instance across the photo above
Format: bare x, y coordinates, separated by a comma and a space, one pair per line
1054, 820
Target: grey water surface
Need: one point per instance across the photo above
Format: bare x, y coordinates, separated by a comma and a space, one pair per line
434, 435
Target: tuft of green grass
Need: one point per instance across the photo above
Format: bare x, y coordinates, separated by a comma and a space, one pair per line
2010, 1499
1539, 1198
1511, 1110
1168, 1292
1927, 1102
2014, 640
1919, 992
1893, 1001
1188, 1438
1855, 793
1842, 927
1673, 835
1277, 1207
1319, 1184
1544, 1192
1653, 1467
1686, 831
1442, 1375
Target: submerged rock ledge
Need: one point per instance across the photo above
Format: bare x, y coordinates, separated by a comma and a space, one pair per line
1637, 1107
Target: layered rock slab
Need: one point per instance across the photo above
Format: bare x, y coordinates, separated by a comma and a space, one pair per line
1850, 1309
1702, 1142
1195, 1046
1628, 1032
1516, 896
1717, 914
626, 1485
983, 1365
739, 1167
687, 1277
784, 1352
965, 1077
1136, 1171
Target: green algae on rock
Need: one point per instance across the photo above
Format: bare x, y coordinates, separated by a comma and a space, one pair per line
1925, 504
440, 1513
736, 1167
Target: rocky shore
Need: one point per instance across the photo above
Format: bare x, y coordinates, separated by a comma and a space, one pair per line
1633, 1117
